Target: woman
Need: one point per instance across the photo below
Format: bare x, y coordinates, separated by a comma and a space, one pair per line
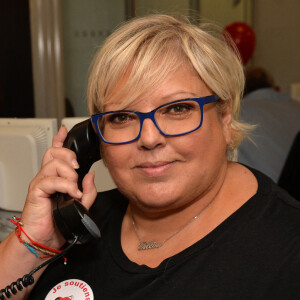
185, 220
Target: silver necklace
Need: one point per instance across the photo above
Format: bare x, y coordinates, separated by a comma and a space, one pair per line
153, 244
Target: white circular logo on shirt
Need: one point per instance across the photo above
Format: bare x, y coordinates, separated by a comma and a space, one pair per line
71, 289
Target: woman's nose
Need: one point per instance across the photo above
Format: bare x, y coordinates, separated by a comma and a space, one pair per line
150, 137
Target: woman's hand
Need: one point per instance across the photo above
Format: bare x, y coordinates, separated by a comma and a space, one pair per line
57, 174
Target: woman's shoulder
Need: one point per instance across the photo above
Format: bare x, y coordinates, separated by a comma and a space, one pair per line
266, 186
248, 184
273, 197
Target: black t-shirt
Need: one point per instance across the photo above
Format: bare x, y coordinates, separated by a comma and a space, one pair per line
253, 254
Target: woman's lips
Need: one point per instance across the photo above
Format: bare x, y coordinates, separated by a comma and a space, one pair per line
155, 169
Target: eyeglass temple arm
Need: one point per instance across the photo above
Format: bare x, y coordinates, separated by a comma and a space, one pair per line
211, 99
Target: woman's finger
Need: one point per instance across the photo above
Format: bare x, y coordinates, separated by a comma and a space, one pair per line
59, 138
50, 185
61, 154
59, 168
89, 190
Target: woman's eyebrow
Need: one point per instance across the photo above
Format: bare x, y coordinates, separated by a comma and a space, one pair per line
179, 95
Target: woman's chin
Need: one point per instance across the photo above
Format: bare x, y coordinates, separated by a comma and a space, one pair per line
157, 198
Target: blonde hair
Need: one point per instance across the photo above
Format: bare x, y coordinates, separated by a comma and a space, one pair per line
145, 50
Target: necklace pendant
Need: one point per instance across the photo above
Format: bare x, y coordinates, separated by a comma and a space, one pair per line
149, 245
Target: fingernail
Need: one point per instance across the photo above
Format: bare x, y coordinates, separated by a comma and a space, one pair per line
75, 164
79, 193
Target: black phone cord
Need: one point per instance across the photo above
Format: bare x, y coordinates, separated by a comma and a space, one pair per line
28, 279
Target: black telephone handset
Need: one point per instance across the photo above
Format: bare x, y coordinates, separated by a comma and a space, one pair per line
70, 216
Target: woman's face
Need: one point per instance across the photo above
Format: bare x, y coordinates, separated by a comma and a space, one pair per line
162, 173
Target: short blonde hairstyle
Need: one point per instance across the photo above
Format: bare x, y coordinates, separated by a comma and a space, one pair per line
146, 50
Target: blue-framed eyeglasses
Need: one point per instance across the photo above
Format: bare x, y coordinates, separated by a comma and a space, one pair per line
171, 119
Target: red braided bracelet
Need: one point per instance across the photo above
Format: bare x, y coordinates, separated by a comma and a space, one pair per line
32, 245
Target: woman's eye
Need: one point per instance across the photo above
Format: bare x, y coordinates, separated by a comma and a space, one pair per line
119, 118
179, 108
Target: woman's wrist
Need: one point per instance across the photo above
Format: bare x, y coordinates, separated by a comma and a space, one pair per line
37, 248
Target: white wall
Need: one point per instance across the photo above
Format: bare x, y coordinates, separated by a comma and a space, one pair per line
226, 11
85, 26
144, 7
277, 27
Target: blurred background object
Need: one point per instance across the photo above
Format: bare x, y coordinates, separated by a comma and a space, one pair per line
244, 39
277, 117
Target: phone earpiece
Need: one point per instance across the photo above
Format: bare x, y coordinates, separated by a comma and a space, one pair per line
70, 216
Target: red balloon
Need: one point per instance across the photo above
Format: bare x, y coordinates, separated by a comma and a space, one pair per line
244, 38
